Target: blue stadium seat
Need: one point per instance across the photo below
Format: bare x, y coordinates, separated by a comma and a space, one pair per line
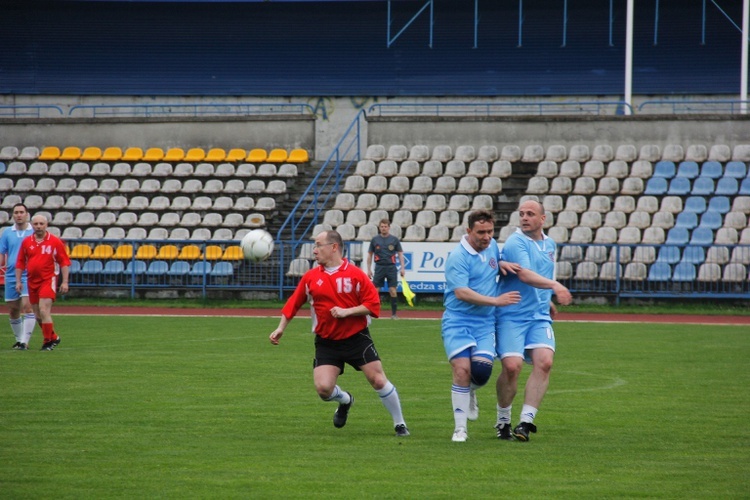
91, 270
695, 204
656, 186
711, 220
727, 186
669, 254
200, 268
703, 186
719, 204
736, 170
135, 270
712, 170
660, 271
679, 186
157, 268
222, 272
684, 271
702, 236
179, 269
677, 236
745, 186
664, 169
75, 266
688, 169
693, 255
688, 220
2, 167
113, 268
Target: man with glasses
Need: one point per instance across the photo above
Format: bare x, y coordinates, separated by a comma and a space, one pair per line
343, 300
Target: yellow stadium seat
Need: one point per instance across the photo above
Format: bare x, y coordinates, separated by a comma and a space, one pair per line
257, 155
190, 252
81, 251
214, 252
132, 154
233, 252
49, 153
174, 154
102, 252
195, 154
277, 156
91, 153
153, 154
112, 153
168, 252
298, 156
236, 154
70, 153
216, 155
146, 252
123, 252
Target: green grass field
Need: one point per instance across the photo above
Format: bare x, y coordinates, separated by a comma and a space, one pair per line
207, 408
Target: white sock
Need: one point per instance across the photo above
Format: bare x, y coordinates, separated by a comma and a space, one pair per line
460, 398
339, 396
528, 414
503, 414
17, 326
389, 397
29, 323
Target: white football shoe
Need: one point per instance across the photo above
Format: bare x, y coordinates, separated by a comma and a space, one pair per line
460, 435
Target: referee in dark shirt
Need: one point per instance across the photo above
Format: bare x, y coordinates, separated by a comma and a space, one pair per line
385, 247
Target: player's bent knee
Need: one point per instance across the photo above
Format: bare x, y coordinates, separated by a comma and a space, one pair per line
481, 371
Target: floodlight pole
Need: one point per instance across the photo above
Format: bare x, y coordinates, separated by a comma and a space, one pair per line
629, 58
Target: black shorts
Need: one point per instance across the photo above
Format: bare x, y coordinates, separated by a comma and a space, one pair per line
357, 350
383, 274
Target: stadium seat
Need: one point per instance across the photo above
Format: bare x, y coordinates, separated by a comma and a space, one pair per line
112, 271
673, 152
719, 204
709, 272
635, 271
123, 252
736, 220
547, 169
174, 155
712, 170
734, 272
644, 254
727, 186
91, 270
134, 271
298, 267
153, 155
696, 152
91, 153
677, 236
595, 169
693, 254
570, 168
80, 251
665, 169
695, 204
557, 152
586, 271
167, 252
103, 251
650, 152
146, 252
232, 253
684, 271
711, 220
190, 252
132, 154
735, 170
654, 235
559, 185
49, 153
717, 255
687, 220
213, 252
660, 271
194, 155
678, 186
111, 154
642, 170
419, 152
703, 236
215, 155
703, 186
656, 186
688, 169
156, 269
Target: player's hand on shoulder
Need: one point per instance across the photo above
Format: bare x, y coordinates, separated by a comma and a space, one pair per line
509, 298
509, 267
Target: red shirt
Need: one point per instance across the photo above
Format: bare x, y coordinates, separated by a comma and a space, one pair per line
348, 286
41, 260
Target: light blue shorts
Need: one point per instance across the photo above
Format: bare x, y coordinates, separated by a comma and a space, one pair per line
518, 338
460, 333
10, 289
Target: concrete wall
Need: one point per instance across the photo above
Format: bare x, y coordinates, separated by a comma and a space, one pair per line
568, 131
247, 132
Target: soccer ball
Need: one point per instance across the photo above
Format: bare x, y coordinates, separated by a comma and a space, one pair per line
257, 245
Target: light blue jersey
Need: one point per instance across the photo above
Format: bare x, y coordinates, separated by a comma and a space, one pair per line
464, 325
10, 245
539, 256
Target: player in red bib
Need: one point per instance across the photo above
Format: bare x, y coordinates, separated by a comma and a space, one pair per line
43, 256
342, 300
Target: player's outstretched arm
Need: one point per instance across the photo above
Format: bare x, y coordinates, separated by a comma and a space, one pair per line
529, 277
509, 267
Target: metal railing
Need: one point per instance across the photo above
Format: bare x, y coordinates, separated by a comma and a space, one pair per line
190, 110
500, 108
728, 106
30, 111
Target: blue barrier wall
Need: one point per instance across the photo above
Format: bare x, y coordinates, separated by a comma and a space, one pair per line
341, 48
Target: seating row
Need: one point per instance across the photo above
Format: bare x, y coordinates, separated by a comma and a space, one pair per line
158, 233
412, 202
414, 232
535, 153
433, 168
682, 272
115, 153
140, 203
121, 169
648, 254
700, 186
710, 169
146, 252
422, 185
646, 203
134, 186
96, 272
